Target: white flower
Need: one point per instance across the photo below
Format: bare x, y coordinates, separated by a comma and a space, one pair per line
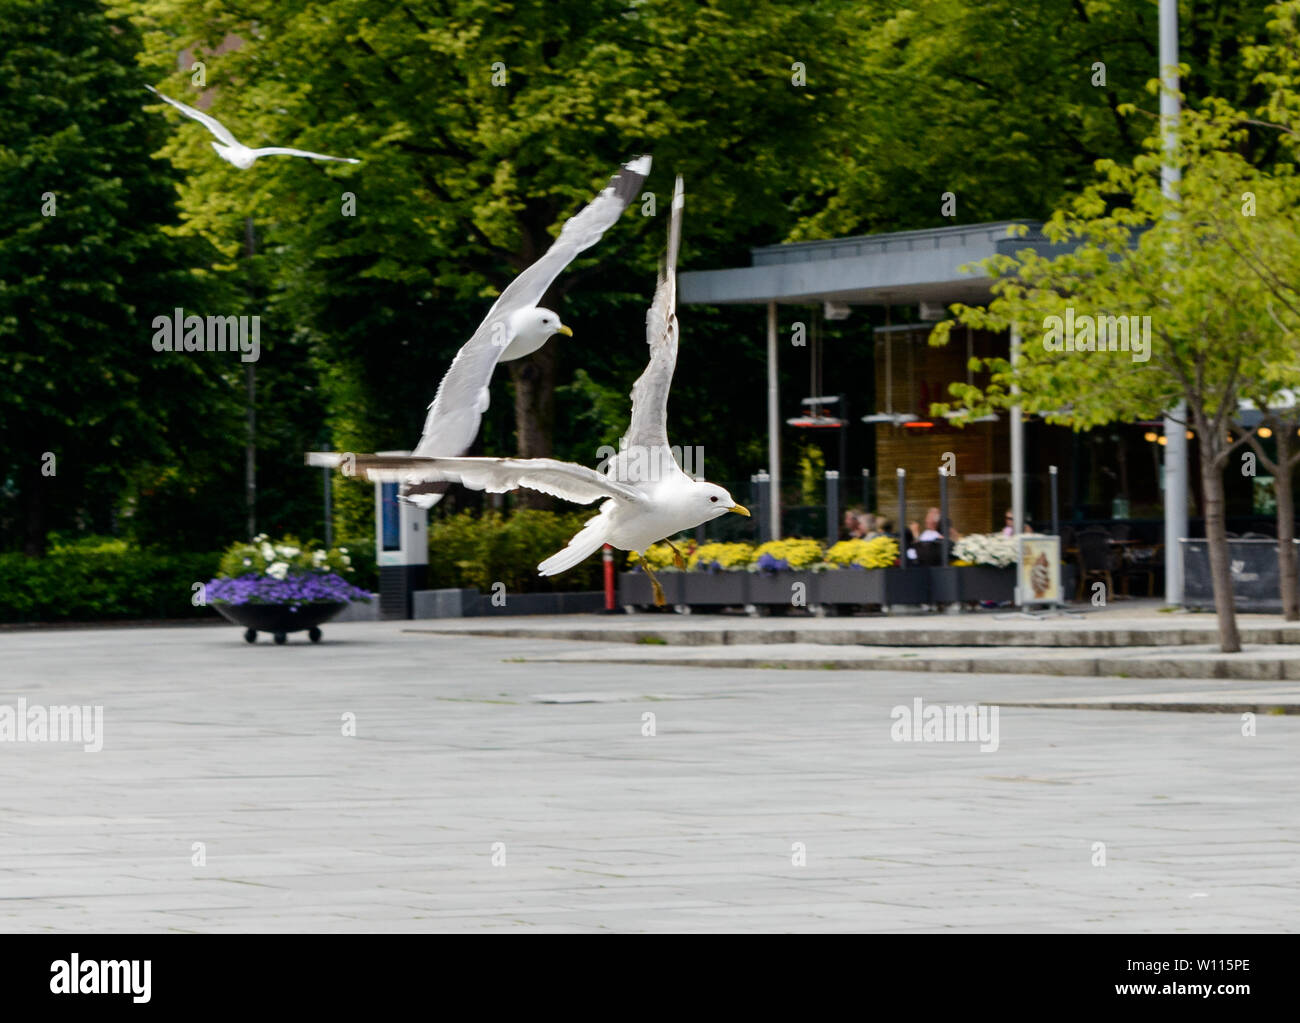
986, 549
318, 558
278, 570
343, 550
288, 552
268, 552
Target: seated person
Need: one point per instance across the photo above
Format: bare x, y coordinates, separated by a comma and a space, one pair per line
1010, 528
852, 527
887, 529
931, 532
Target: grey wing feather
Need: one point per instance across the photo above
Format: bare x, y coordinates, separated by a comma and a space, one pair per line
649, 425
566, 480
454, 416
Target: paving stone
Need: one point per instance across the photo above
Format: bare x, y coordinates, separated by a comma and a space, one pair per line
207, 739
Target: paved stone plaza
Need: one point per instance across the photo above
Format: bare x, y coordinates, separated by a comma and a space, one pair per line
464, 742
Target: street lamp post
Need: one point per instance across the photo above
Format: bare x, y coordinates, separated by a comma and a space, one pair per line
1176, 418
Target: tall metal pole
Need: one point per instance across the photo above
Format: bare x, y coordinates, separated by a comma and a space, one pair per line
250, 450
944, 528
1017, 446
902, 517
328, 476
773, 429
1056, 508
250, 439
843, 406
832, 506
1176, 477
761, 482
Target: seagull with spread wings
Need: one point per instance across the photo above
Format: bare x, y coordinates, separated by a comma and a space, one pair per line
515, 326
647, 496
231, 149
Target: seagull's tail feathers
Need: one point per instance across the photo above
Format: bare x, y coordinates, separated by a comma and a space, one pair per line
589, 539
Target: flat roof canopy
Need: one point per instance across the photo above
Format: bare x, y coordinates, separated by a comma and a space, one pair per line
899, 268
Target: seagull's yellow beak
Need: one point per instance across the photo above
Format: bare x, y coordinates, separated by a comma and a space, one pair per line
739, 509
564, 330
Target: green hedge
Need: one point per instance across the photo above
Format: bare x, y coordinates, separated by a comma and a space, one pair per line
109, 580
99, 578
466, 550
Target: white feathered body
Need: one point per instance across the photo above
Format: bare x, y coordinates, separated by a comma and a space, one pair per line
670, 505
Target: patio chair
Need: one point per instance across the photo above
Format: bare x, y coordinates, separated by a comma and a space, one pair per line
1143, 561
1095, 560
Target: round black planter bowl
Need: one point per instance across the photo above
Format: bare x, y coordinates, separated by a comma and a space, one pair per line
279, 619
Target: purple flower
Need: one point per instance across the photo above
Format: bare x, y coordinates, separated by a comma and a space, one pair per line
767, 563
294, 589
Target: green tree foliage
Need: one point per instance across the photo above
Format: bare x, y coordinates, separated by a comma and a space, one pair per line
1006, 104
482, 127
85, 263
1217, 332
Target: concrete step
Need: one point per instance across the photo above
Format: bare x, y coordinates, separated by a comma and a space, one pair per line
1254, 663
937, 631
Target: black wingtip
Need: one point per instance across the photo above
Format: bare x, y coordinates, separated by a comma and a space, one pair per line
627, 182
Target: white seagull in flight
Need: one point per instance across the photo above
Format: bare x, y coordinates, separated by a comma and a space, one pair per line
647, 495
515, 326
230, 148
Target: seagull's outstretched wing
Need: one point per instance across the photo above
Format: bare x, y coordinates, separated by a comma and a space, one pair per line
649, 425
566, 480
211, 123
456, 411
283, 151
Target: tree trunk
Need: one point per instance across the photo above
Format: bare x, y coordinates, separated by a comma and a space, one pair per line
33, 486
1217, 541
1286, 558
534, 380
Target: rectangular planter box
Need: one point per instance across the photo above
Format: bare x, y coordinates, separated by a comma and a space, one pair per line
778, 587
542, 604
954, 584
716, 588
882, 586
452, 603
634, 588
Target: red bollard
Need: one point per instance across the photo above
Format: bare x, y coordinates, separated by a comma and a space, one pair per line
610, 601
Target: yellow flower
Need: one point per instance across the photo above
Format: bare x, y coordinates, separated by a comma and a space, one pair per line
727, 555
878, 552
795, 553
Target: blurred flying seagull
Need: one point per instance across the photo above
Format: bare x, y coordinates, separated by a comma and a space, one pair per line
648, 496
515, 326
231, 149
